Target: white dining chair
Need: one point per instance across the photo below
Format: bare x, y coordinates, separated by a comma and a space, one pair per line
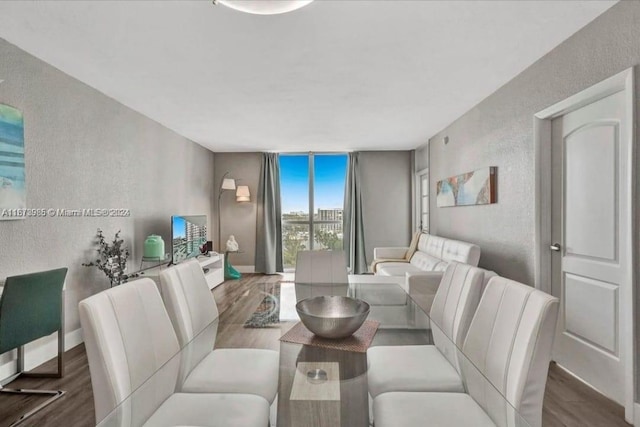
504, 364
431, 367
321, 273
192, 307
321, 267
134, 361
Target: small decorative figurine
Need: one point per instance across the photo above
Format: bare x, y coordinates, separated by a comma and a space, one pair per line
232, 245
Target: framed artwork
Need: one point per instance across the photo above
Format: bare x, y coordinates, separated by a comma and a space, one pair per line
471, 188
12, 169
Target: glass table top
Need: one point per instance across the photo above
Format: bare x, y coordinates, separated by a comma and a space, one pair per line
263, 311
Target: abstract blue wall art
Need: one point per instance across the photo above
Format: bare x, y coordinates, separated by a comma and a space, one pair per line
13, 191
471, 188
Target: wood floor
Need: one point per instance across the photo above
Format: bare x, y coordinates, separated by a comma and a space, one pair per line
568, 402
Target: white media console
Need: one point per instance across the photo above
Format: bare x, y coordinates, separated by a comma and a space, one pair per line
212, 265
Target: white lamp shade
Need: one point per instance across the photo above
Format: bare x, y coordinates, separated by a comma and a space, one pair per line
243, 194
265, 7
228, 184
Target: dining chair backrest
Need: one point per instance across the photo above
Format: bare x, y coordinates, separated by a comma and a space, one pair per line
321, 267
508, 348
192, 310
31, 307
453, 307
129, 337
188, 299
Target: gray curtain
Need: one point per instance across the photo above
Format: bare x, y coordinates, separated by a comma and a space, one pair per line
352, 219
269, 220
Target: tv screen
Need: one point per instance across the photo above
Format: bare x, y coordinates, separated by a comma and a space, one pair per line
188, 234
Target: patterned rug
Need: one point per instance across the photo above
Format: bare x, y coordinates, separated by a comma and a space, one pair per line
267, 314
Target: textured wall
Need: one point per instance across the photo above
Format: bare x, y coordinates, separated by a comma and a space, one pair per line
499, 132
422, 157
386, 198
85, 150
238, 219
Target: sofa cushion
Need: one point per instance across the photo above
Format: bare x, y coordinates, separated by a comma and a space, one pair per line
397, 269
467, 253
434, 253
426, 262
431, 245
449, 250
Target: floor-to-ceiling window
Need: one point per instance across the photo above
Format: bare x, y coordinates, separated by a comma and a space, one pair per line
311, 183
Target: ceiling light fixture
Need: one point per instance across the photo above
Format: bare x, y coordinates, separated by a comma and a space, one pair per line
264, 7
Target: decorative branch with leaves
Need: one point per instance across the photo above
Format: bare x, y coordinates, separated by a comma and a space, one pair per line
112, 258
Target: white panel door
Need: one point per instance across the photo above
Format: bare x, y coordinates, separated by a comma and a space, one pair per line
591, 234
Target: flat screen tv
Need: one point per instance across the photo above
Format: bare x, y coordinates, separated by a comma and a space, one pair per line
188, 234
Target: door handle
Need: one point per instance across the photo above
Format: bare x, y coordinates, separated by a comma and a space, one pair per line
555, 247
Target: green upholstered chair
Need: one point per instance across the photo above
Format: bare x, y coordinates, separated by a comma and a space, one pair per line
31, 307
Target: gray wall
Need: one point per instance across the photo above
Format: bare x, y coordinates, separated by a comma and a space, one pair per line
499, 132
422, 157
386, 198
85, 150
386, 190
238, 219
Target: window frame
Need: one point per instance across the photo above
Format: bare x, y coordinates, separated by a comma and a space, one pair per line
312, 221
419, 176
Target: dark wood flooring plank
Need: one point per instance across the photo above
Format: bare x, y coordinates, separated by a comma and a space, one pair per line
75, 408
569, 402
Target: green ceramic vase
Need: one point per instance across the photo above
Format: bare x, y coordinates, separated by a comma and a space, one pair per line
154, 247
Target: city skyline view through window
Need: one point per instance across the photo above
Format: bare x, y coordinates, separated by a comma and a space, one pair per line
311, 183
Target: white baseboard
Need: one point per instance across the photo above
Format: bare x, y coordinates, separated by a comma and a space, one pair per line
38, 352
245, 268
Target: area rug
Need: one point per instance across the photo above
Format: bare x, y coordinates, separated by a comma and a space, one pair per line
359, 342
267, 313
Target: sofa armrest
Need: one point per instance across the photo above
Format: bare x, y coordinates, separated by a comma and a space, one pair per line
389, 253
423, 283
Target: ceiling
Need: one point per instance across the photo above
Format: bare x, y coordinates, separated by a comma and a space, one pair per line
335, 75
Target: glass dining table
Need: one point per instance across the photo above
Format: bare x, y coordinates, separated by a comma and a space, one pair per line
265, 311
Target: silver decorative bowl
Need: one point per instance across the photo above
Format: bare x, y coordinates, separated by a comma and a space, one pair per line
332, 316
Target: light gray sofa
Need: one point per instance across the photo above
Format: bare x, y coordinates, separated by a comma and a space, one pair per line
427, 265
